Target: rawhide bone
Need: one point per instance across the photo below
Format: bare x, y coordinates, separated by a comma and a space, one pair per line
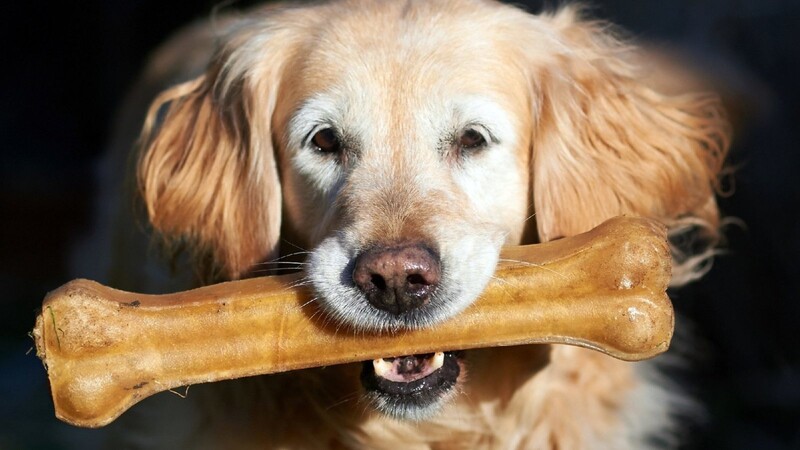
106, 349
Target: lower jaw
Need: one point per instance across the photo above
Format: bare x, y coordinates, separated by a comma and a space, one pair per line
415, 400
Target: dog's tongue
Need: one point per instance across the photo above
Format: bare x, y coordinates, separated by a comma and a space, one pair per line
405, 369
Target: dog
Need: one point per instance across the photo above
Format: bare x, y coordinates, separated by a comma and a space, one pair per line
390, 149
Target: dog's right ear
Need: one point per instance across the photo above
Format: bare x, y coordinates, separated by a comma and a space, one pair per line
207, 170
606, 144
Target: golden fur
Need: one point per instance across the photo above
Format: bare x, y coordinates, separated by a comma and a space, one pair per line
223, 172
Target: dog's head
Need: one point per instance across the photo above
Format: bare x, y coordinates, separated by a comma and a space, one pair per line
406, 142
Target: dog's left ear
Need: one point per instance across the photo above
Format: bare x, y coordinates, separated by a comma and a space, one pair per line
604, 144
207, 170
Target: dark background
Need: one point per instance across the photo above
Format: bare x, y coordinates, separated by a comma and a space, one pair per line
68, 64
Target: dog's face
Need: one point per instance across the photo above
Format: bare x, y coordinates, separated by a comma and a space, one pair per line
405, 184
420, 168
404, 143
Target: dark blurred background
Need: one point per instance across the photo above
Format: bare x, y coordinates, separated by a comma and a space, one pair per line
67, 67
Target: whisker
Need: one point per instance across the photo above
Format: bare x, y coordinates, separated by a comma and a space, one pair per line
530, 264
302, 250
504, 284
279, 266
293, 263
276, 270
366, 403
347, 398
313, 317
300, 283
499, 279
289, 255
310, 301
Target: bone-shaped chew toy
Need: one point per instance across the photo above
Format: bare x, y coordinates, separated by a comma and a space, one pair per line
106, 349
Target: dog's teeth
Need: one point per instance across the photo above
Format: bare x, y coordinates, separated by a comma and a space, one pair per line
437, 361
382, 367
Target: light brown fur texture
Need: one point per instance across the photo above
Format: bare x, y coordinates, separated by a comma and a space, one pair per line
575, 137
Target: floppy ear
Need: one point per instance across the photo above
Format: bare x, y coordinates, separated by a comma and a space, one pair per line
207, 172
604, 144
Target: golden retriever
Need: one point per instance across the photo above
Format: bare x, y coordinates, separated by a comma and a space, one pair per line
400, 144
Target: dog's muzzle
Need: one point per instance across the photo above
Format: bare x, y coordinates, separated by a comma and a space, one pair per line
401, 280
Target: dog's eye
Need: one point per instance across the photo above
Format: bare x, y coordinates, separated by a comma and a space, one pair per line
326, 141
471, 140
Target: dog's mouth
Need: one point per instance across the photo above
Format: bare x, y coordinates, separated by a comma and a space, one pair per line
412, 386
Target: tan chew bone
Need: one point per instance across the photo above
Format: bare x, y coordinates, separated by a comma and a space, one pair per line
105, 349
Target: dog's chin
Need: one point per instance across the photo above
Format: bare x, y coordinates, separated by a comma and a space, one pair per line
412, 387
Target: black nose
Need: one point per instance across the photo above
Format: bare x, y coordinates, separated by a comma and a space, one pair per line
397, 279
